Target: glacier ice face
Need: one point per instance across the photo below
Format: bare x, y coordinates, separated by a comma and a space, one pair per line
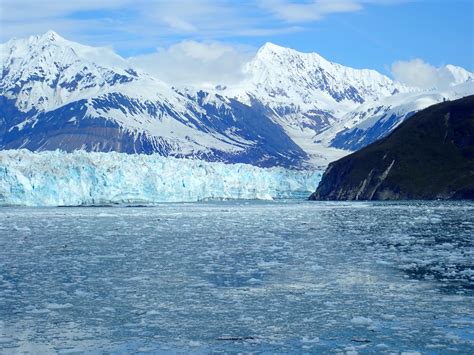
79, 178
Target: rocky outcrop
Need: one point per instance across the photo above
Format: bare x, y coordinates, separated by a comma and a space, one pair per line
429, 156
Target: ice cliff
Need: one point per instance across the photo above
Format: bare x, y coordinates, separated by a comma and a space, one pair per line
80, 178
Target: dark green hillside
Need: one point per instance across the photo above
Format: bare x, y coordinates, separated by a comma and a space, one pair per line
429, 156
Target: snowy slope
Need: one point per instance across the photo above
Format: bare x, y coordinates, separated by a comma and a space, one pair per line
60, 94
373, 121
58, 179
280, 76
47, 71
325, 107
306, 94
460, 75
293, 109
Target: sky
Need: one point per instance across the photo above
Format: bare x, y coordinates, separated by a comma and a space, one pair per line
395, 37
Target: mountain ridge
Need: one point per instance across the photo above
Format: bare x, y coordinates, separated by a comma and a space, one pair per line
429, 156
284, 114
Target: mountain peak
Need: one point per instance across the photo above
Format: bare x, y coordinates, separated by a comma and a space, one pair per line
276, 52
51, 36
290, 77
271, 46
271, 49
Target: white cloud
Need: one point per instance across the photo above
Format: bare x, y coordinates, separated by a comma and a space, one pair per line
21, 18
148, 20
179, 24
314, 10
308, 11
139, 18
418, 73
25, 10
196, 63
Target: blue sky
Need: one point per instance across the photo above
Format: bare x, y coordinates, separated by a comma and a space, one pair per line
359, 33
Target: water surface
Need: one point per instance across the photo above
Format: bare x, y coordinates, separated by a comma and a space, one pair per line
239, 276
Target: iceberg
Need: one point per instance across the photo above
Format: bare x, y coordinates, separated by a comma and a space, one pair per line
56, 178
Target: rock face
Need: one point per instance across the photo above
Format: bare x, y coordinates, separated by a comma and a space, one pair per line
429, 156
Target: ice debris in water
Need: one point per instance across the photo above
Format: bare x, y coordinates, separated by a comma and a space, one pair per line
80, 178
361, 321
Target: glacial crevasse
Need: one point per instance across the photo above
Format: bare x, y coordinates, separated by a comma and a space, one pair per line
80, 178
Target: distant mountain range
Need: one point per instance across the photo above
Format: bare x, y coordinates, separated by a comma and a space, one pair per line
429, 156
292, 109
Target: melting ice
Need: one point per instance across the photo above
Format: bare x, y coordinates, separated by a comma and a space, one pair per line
239, 277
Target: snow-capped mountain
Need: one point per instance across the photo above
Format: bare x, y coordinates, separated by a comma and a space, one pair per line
60, 94
458, 74
281, 76
46, 72
306, 94
293, 109
324, 105
372, 121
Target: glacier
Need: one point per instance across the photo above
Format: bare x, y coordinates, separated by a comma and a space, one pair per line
57, 178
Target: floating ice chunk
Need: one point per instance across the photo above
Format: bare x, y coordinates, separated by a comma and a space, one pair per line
453, 337
152, 313
56, 306
39, 311
21, 229
388, 316
453, 298
361, 321
350, 350
81, 293
310, 340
